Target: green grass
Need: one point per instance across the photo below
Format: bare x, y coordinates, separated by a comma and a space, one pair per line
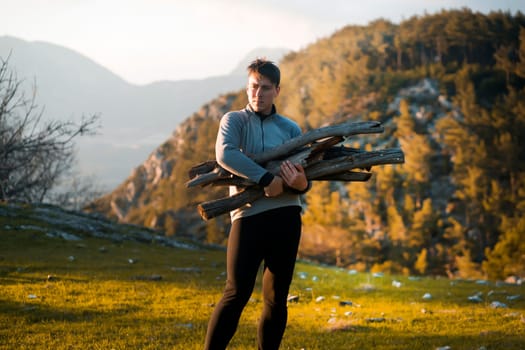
163, 299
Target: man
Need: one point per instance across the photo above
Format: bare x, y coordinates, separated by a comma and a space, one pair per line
268, 229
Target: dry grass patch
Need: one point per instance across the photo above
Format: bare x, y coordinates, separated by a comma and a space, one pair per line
99, 294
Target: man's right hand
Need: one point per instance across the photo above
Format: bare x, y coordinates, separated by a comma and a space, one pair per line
275, 187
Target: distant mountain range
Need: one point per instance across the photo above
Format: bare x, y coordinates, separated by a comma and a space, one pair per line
135, 119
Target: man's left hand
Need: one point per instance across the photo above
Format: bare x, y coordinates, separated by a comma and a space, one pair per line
293, 175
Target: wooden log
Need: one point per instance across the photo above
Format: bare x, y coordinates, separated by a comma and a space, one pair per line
360, 160
202, 168
219, 178
347, 176
218, 173
325, 151
214, 208
340, 165
306, 156
344, 130
341, 151
344, 176
302, 157
199, 177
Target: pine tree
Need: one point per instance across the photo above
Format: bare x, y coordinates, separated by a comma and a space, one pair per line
397, 230
507, 258
317, 201
424, 226
421, 264
466, 267
417, 150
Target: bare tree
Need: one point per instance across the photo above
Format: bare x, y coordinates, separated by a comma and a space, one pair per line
34, 152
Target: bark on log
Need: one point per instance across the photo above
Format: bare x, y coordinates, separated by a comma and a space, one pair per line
210, 166
348, 176
201, 175
360, 160
342, 130
344, 176
321, 169
315, 150
202, 168
214, 208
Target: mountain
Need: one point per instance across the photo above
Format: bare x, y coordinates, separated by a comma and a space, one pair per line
449, 90
159, 182
134, 118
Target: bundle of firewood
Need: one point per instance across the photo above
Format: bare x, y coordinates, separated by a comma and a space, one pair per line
321, 152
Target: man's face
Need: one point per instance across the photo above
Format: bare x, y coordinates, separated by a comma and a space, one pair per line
261, 93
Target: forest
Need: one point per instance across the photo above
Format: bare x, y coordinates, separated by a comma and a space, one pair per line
455, 208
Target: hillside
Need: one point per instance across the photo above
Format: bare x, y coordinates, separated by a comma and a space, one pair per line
57, 223
134, 118
71, 280
449, 90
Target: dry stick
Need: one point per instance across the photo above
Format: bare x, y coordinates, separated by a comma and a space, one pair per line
211, 209
221, 206
324, 149
202, 168
306, 155
344, 176
343, 130
328, 154
339, 130
310, 155
217, 173
348, 176
361, 160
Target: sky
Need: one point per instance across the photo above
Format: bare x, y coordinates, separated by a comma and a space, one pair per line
144, 41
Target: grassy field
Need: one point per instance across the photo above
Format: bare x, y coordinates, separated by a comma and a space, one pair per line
100, 294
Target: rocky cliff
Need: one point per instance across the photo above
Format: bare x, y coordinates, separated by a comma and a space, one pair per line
164, 165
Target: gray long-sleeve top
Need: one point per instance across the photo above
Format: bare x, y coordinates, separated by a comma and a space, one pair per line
244, 133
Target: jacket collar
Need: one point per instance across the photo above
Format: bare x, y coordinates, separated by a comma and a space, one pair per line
260, 115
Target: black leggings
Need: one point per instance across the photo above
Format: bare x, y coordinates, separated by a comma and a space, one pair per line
273, 237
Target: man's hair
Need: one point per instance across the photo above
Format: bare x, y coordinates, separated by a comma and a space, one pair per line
266, 68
